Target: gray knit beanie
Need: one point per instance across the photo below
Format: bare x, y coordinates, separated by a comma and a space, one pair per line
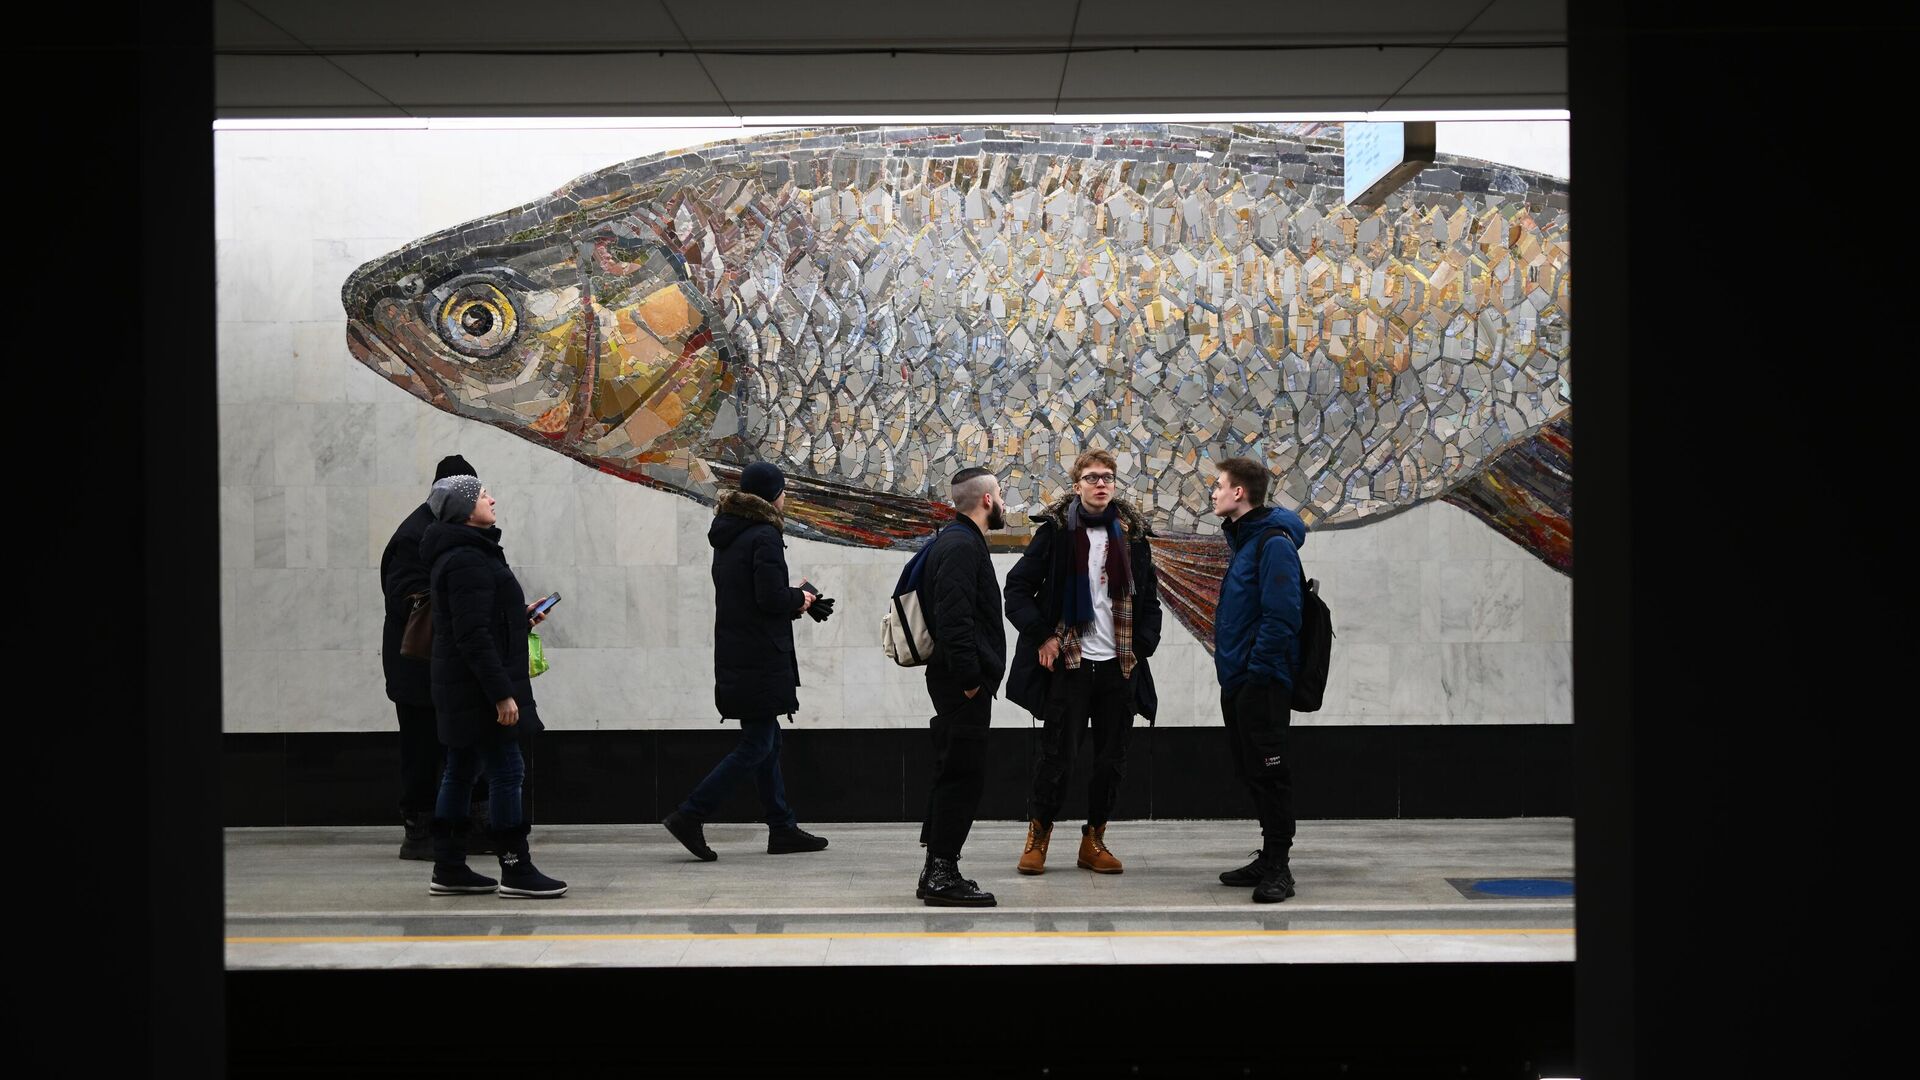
453, 498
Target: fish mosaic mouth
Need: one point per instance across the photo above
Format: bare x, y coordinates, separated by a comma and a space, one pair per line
873, 309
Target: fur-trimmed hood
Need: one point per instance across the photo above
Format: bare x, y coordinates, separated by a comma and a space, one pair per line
735, 513
1131, 519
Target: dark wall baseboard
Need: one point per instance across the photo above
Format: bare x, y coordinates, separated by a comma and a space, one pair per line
585, 777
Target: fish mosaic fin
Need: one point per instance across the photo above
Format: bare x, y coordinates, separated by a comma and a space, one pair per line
1526, 494
840, 514
1189, 570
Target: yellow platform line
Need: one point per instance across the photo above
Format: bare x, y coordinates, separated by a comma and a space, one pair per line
870, 935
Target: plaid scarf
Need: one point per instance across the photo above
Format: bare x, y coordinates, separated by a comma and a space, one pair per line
1069, 635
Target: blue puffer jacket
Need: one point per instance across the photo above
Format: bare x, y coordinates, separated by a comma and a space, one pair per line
1256, 627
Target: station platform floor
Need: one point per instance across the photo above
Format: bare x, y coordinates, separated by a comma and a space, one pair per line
1368, 892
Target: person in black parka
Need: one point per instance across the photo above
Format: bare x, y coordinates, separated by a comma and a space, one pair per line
755, 673
403, 576
1086, 601
961, 599
481, 689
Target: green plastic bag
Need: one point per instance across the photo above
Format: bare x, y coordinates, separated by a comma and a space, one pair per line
536, 656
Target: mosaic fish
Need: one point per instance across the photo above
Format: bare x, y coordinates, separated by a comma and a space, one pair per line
875, 308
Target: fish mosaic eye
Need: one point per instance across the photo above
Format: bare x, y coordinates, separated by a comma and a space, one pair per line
477, 319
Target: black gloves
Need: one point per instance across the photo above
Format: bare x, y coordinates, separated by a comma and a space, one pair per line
822, 605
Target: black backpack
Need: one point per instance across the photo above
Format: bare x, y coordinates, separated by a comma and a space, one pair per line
1316, 635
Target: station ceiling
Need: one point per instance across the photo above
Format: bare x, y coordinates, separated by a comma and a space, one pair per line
682, 58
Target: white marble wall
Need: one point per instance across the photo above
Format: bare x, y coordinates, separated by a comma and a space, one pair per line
1439, 619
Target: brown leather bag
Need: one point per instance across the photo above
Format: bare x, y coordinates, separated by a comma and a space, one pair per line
416, 641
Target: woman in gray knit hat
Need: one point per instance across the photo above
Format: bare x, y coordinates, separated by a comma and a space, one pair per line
482, 691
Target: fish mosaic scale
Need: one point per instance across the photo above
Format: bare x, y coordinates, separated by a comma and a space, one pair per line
873, 309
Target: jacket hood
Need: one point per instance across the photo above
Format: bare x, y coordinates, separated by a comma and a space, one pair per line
735, 513
1262, 518
1135, 522
442, 537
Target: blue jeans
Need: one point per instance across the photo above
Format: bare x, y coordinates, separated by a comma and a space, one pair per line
505, 770
758, 753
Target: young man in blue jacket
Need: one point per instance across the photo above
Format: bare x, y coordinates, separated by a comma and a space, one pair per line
1256, 647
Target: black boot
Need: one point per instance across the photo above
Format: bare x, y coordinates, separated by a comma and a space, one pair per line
1276, 882
692, 836
518, 876
418, 843
479, 838
920, 890
1247, 876
451, 877
944, 887
788, 839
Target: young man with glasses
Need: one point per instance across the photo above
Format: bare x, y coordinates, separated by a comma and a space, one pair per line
1085, 600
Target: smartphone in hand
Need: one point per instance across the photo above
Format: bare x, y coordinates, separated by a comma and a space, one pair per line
545, 605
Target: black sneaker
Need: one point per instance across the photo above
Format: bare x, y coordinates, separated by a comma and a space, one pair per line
457, 879
789, 839
520, 878
690, 834
1247, 876
1275, 885
945, 887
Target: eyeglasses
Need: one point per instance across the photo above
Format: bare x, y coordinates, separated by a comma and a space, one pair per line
1101, 479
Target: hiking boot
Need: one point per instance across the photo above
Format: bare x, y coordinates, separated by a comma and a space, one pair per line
788, 839
942, 886
1034, 859
451, 877
1094, 855
518, 876
691, 835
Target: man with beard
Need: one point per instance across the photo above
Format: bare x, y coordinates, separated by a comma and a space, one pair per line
961, 596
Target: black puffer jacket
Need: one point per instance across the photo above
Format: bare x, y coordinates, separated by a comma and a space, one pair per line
959, 590
403, 573
755, 674
1036, 592
480, 629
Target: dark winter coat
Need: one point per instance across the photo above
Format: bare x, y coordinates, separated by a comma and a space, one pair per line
1256, 627
402, 573
480, 629
1036, 592
755, 673
961, 595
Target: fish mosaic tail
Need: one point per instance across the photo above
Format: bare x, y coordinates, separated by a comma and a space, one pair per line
1526, 494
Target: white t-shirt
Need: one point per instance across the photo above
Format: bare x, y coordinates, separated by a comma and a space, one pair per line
1096, 641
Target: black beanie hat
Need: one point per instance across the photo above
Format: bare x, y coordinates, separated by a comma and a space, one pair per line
764, 480
453, 465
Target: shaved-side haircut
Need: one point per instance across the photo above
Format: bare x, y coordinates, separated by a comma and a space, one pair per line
966, 488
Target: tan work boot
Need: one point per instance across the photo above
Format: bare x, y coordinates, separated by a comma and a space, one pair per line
1034, 859
1094, 855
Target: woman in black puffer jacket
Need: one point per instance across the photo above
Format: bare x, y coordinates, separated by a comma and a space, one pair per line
481, 689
